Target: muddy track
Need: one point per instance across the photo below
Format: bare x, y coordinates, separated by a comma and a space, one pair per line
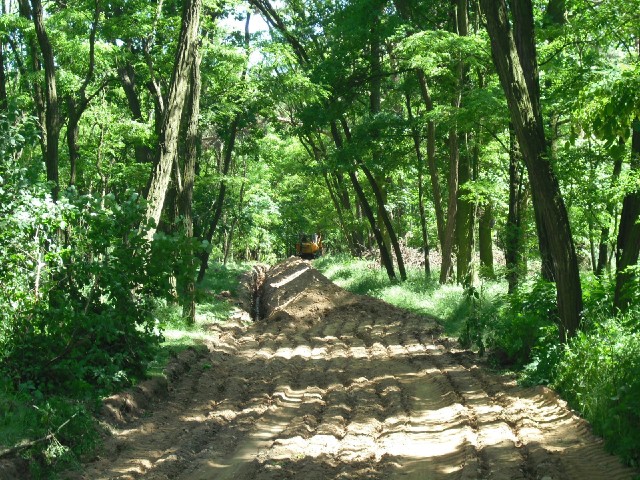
330, 385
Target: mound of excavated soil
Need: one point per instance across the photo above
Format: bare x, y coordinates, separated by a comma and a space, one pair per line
330, 385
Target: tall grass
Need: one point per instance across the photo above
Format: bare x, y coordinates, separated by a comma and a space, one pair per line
448, 303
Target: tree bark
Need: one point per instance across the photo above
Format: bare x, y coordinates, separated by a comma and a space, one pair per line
38, 93
464, 221
485, 241
524, 102
464, 217
628, 244
217, 214
168, 138
53, 122
185, 192
452, 208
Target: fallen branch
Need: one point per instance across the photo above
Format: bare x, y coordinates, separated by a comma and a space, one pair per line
10, 452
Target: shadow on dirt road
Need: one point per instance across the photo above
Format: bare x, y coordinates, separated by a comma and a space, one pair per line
330, 385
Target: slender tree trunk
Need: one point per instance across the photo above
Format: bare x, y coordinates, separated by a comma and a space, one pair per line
603, 247
513, 228
384, 253
628, 244
168, 138
431, 159
464, 221
336, 203
53, 121
355, 216
523, 99
382, 211
386, 220
228, 154
3, 79
377, 182
415, 134
485, 241
78, 104
38, 93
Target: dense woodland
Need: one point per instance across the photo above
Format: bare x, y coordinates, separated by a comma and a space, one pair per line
481, 140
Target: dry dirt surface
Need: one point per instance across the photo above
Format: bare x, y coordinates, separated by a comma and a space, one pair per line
331, 385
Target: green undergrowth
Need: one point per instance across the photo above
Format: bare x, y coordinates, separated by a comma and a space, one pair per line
597, 371
418, 294
32, 410
212, 306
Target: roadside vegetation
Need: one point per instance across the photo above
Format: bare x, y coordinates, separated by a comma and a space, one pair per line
49, 413
598, 371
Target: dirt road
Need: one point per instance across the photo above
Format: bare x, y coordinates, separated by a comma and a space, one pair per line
331, 385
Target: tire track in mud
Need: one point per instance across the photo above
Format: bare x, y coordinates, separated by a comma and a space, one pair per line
333, 385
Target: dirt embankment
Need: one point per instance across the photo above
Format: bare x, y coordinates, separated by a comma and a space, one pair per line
330, 385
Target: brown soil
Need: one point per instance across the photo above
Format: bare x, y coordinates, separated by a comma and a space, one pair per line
330, 385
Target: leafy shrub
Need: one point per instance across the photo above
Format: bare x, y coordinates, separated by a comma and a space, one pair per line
79, 287
525, 317
600, 376
84, 318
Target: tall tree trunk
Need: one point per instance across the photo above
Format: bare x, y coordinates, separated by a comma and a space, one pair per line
3, 79
382, 211
415, 134
464, 216
222, 190
628, 244
386, 220
431, 159
603, 247
452, 207
38, 93
53, 121
185, 198
336, 203
513, 228
168, 138
464, 220
485, 241
523, 99
229, 243
375, 98
227, 156
355, 215
384, 253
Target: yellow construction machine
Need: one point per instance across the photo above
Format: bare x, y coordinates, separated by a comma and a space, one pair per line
309, 246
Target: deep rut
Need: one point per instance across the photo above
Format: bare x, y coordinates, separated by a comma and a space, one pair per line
330, 385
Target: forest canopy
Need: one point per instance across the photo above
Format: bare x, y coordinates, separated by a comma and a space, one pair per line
473, 140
